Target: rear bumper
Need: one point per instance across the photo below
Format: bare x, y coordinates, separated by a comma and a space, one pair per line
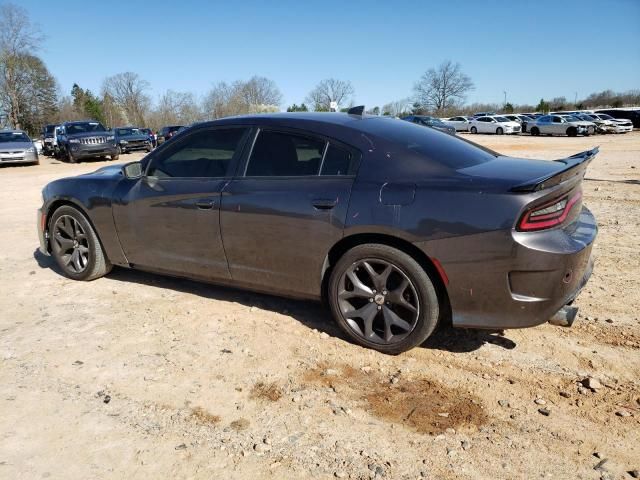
508, 279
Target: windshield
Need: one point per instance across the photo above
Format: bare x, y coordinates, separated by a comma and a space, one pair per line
604, 116
502, 119
50, 128
526, 118
84, 127
125, 132
7, 137
570, 118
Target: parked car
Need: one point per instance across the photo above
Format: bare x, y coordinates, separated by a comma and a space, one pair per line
17, 147
483, 114
85, 139
461, 124
49, 139
496, 124
129, 139
396, 225
427, 121
559, 125
587, 120
633, 115
612, 125
523, 120
151, 135
167, 132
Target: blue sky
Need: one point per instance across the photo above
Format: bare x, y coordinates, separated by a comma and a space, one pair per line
536, 49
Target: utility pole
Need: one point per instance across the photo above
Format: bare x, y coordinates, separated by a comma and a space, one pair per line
505, 97
575, 98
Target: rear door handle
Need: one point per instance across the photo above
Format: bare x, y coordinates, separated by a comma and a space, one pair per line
323, 203
205, 204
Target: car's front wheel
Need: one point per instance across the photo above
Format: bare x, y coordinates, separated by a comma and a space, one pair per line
75, 245
474, 130
499, 131
535, 131
383, 299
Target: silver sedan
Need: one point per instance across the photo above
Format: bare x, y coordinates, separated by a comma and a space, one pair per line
559, 125
17, 147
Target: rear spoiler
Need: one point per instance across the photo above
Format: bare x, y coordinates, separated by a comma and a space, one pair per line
574, 165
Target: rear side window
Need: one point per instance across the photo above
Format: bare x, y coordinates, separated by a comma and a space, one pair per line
206, 153
438, 147
279, 154
337, 161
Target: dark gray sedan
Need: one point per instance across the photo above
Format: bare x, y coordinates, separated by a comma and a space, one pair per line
397, 226
17, 147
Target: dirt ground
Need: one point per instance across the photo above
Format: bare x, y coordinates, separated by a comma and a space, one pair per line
139, 376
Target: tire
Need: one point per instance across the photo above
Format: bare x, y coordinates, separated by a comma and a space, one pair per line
535, 131
499, 131
70, 231
117, 155
474, 130
70, 157
399, 319
572, 132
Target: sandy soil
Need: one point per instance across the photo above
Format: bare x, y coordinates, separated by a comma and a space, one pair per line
139, 376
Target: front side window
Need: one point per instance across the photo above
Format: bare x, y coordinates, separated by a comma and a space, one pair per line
206, 153
279, 154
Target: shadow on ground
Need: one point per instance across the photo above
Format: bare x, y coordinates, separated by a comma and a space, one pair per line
311, 314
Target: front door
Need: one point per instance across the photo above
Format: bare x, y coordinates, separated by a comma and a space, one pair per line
281, 216
169, 220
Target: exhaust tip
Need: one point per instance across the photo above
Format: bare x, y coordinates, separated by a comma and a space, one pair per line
564, 317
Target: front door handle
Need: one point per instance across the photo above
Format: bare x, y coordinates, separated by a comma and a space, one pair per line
323, 203
205, 204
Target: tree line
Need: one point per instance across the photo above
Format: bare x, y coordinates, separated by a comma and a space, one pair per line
30, 96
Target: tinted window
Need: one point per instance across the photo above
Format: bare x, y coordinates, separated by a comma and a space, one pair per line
436, 146
337, 161
206, 153
285, 155
557, 120
544, 119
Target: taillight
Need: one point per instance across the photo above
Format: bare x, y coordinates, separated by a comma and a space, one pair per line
549, 214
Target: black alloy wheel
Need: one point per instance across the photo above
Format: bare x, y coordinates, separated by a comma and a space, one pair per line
75, 245
383, 299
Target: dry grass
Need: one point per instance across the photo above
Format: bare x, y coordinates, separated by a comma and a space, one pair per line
266, 391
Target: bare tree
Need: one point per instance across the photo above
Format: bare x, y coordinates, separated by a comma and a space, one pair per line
397, 107
175, 108
260, 91
330, 90
256, 95
442, 88
19, 38
128, 91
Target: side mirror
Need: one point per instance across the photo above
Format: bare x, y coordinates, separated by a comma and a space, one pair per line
132, 170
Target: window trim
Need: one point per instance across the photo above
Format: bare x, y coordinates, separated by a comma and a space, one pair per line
237, 155
355, 163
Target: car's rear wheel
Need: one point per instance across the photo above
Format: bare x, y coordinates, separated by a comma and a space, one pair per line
499, 131
535, 131
474, 130
75, 245
383, 299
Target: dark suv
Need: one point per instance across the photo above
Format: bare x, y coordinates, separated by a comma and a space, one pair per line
167, 132
129, 139
85, 139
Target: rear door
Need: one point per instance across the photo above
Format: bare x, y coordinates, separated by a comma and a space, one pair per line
169, 220
286, 209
